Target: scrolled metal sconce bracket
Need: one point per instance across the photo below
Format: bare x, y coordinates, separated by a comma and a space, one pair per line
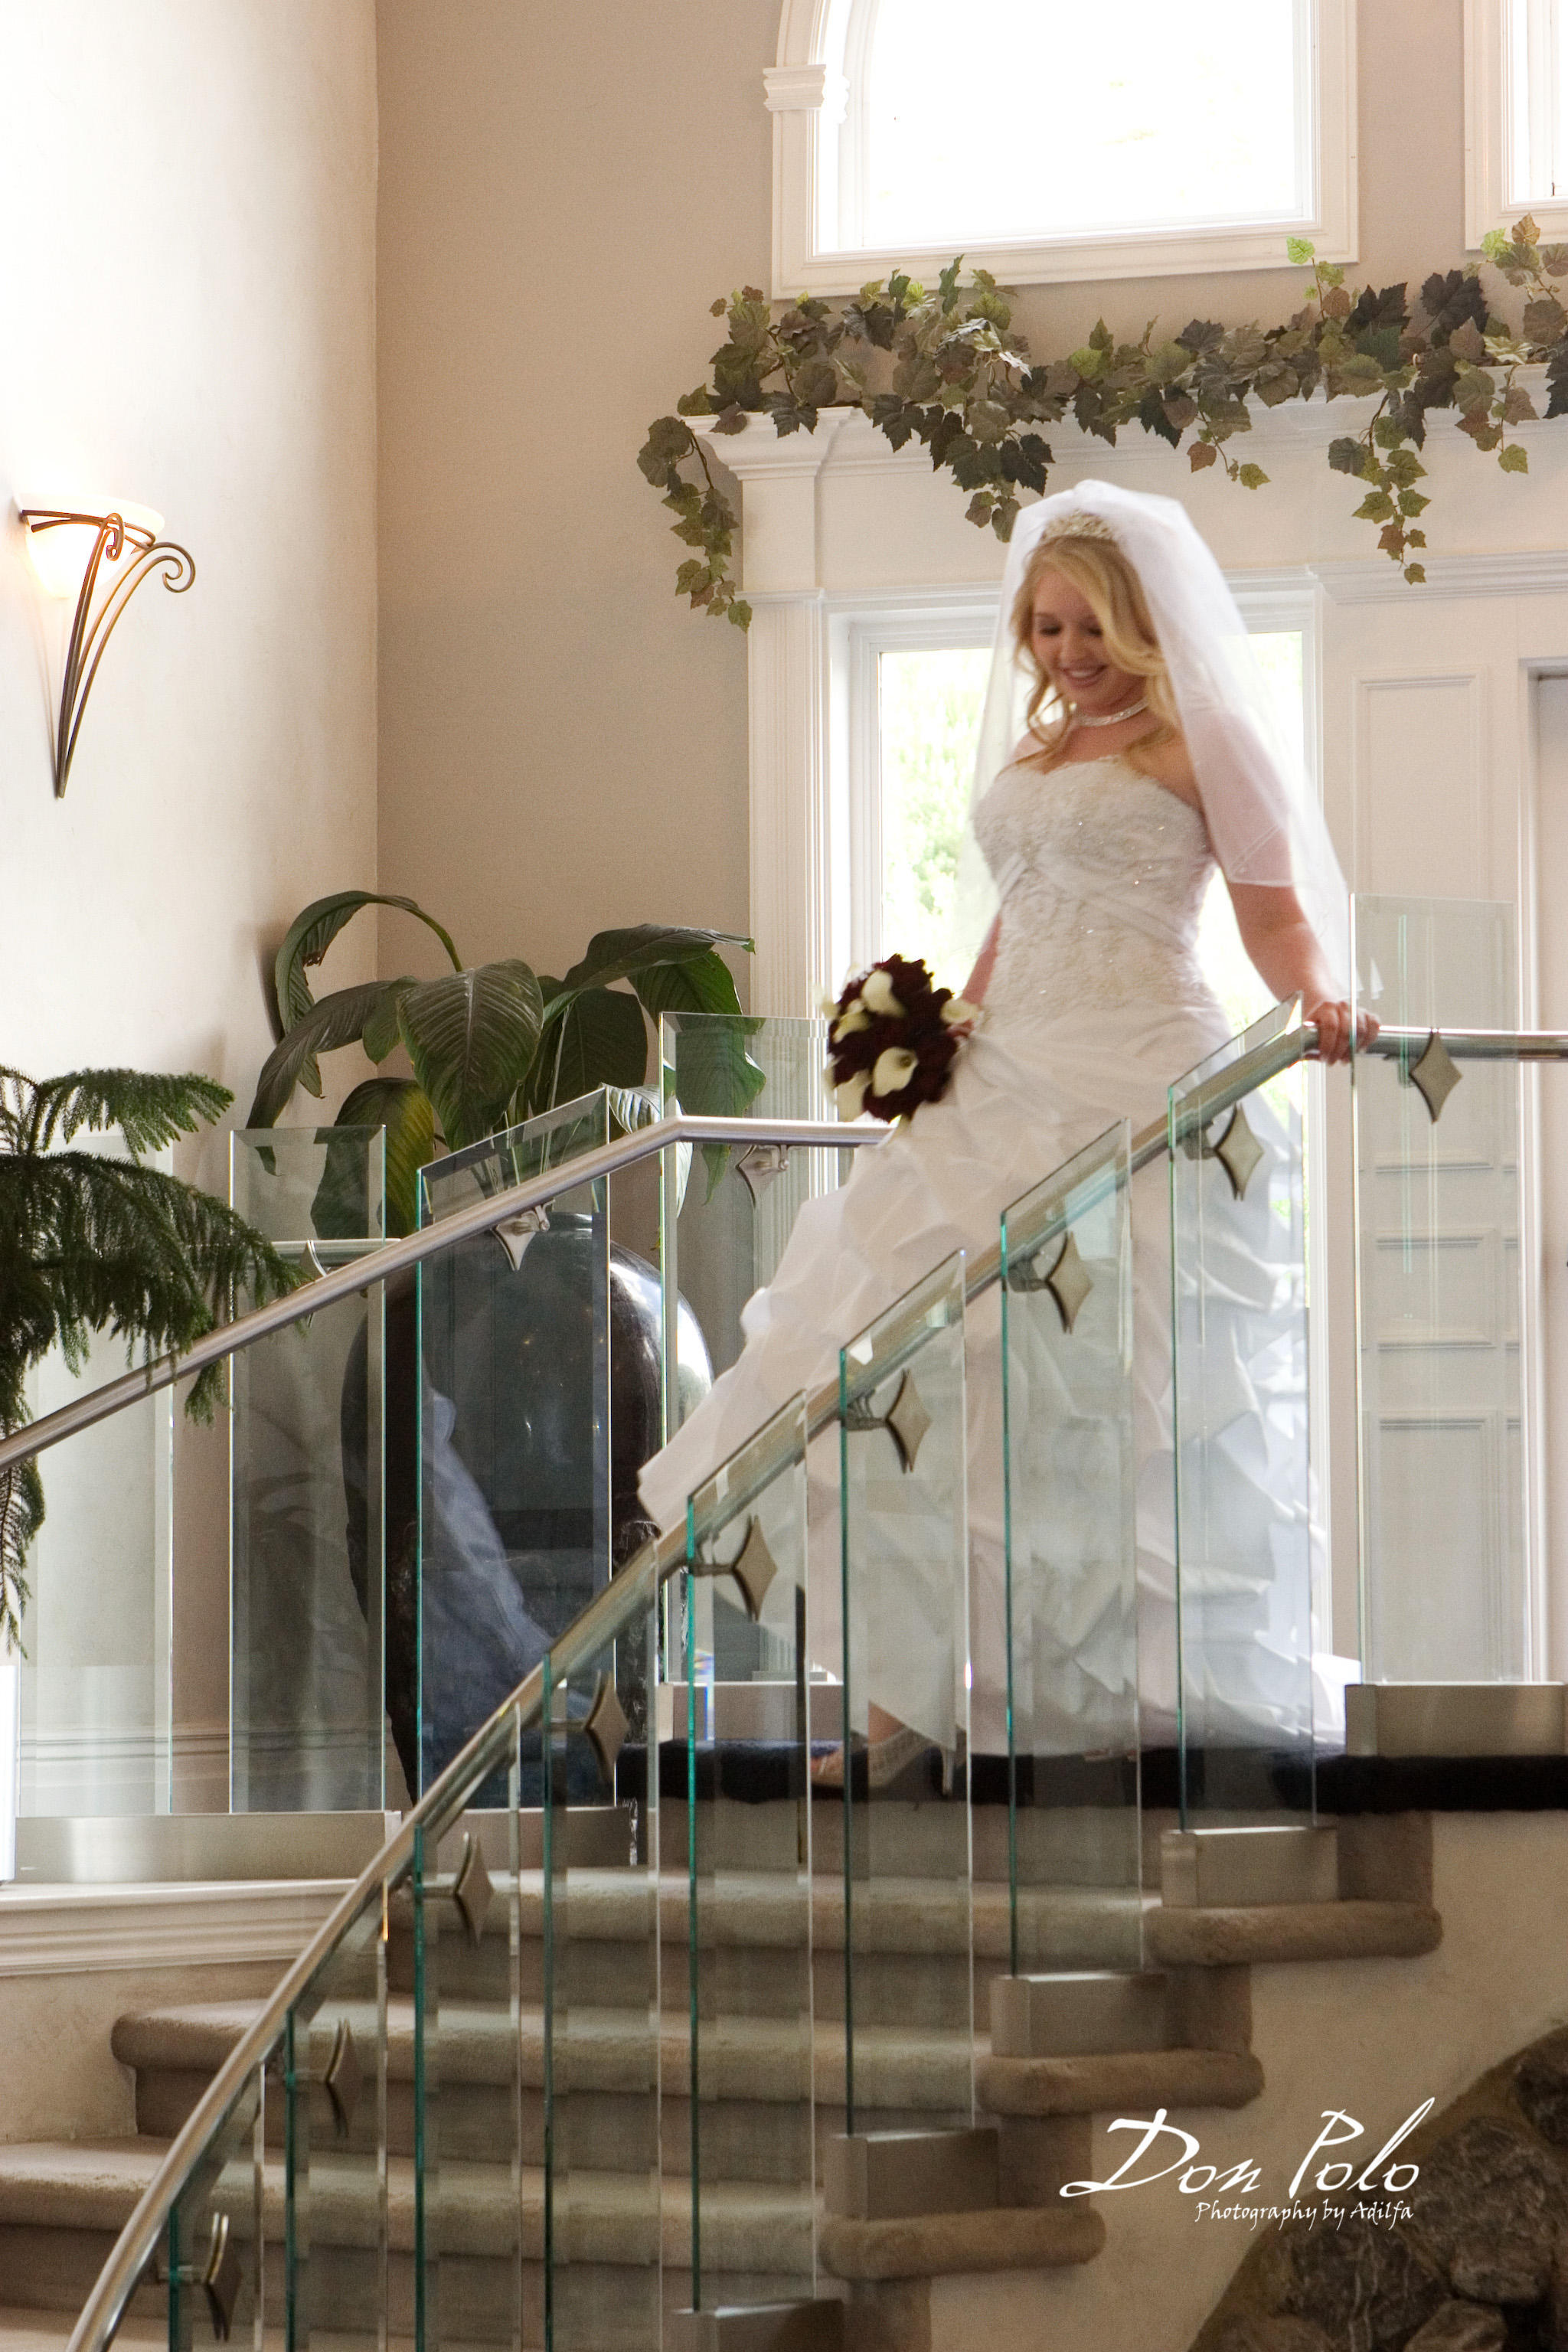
90, 632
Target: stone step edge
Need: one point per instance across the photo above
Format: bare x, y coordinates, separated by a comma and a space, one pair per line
934, 2245
1118, 2079
1243, 1935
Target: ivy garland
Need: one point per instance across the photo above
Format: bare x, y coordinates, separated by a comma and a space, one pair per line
945, 368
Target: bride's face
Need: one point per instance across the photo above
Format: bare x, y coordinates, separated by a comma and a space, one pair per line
1068, 645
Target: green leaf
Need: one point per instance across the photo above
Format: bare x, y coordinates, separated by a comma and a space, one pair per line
1347, 456
1513, 459
381, 1032
600, 1040
1252, 478
1377, 506
472, 1036
668, 441
1300, 250
701, 983
336, 1020
404, 1110
621, 955
309, 937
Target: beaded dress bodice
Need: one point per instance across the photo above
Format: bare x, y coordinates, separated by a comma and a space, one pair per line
1102, 875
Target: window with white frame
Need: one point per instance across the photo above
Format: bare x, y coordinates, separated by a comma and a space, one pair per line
1517, 114
914, 684
1046, 147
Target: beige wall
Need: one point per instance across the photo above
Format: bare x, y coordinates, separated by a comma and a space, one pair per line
562, 192
187, 215
186, 239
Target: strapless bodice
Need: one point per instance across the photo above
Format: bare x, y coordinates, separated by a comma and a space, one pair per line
1102, 875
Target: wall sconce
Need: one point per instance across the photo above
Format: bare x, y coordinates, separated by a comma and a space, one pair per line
68, 552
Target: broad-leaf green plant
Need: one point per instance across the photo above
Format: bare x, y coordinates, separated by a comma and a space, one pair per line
493, 1043
90, 1243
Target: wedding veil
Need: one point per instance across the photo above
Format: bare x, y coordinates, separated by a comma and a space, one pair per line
1263, 820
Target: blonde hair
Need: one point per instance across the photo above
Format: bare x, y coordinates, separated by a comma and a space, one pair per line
1099, 571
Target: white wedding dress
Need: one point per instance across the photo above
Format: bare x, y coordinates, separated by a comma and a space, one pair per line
1097, 1002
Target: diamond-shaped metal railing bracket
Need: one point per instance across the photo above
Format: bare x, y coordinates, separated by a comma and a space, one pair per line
343, 2080
907, 1421
753, 1570
1070, 1283
518, 1231
1239, 1153
760, 1165
471, 1890
222, 2279
605, 1726
1435, 1076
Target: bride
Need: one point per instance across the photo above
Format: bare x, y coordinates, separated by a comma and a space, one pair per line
1127, 750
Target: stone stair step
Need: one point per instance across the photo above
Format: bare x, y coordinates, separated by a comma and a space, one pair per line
1230, 1937
748, 2058
1118, 2082
22, 2330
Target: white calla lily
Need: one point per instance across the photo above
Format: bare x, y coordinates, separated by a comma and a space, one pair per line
957, 1009
894, 1069
876, 992
856, 1017
850, 1098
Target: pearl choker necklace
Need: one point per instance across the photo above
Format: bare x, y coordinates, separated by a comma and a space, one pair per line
1113, 717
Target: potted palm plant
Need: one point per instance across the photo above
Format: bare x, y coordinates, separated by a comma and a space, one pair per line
88, 1244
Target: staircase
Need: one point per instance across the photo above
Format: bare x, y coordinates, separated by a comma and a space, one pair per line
900, 2205
702, 2055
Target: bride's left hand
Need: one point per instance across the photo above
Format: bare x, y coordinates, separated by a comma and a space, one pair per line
1332, 1017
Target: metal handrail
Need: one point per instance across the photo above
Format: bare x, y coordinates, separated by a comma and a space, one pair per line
632, 1591
388, 1258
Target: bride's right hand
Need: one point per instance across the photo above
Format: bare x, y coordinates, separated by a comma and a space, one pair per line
1333, 1017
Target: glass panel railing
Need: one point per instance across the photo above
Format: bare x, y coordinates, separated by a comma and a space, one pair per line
1244, 1539
739, 1741
213, 2259
97, 1697
515, 1425
1071, 1593
1440, 1214
597, 1882
345, 2129
903, 1828
307, 1485
727, 1212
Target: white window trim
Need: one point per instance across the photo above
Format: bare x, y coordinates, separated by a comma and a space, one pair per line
1489, 68
808, 96
860, 631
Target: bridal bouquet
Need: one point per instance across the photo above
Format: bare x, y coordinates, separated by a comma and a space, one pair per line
893, 1040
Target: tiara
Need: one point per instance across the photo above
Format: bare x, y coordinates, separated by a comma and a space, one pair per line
1078, 522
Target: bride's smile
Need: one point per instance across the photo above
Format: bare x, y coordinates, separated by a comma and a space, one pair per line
1069, 644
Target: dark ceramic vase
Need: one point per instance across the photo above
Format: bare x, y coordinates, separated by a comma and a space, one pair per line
511, 1396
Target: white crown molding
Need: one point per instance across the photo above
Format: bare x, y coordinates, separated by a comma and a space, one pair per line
79, 1931
1376, 581
845, 441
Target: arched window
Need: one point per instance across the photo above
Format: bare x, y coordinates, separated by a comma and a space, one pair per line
1515, 109
1052, 141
